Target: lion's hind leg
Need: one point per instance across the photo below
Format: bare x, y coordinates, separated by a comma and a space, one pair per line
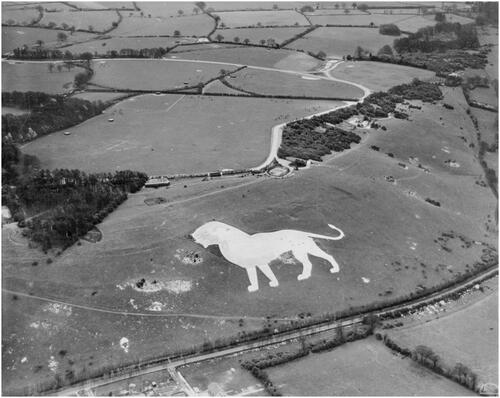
266, 269
316, 251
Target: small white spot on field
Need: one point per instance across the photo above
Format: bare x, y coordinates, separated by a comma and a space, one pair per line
124, 344
365, 280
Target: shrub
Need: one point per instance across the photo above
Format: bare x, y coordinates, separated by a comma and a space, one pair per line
389, 30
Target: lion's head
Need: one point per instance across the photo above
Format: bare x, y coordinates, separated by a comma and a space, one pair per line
209, 233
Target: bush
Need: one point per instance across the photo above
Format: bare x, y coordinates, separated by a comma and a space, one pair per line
389, 30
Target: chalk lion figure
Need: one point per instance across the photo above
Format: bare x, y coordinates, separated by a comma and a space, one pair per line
258, 250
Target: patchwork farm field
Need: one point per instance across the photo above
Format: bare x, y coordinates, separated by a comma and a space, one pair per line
255, 35
338, 42
387, 76
120, 43
35, 76
467, 336
358, 19
278, 83
199, 25
87, 20
343, 371
255, 56
235, 19
15, 37
170, 141
136, 74
19, 15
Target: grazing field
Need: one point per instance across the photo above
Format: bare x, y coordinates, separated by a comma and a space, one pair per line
413, 24
199, 25
34, 76
235, 19
364, 367
166, 9
14, 111
15, 37
255, 35
169, 134
387, 76
334, 11
218, 87
242, 6
484, 95
96, 96
337, 42
148, 74
19, 15
356, 19
468, 336
120, 43
255, 56
458, 18
98, 21
278, 83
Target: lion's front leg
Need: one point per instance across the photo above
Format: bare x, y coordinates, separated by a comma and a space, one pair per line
252, 276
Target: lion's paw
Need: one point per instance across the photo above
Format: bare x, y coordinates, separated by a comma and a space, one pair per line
302, 277
252, 288
273, 284
334, 270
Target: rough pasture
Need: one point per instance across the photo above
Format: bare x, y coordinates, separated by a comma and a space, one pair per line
33, 76
357, 19
120, 43
412, 24
246, 6
256, 56
148, 74
98, 20
169, 134
198, 25
363, 367
278, 83
255, 35
15, 37
20, 14
338, 42
165, 9
466, 336
218, 87
236, 19
386, 76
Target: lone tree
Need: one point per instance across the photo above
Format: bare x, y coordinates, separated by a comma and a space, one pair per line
196, 10
65, 26
307, 8
336, 6
262, 41
236, 39
346, 11
271, 42
201, 5
61, 36
440, 17
51, 67
321, 54
180, 13
275, 7
385, 51
59, 67
91, 28
219, 37
363, 7
39, 43
246, 41
177, 33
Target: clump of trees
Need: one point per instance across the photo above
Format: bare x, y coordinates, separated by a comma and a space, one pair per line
64, 204
48, 113
389, 30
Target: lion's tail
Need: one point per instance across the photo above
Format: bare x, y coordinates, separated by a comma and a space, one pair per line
329, 237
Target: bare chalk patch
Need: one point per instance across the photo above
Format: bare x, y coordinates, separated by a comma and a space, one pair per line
59, 309
53, 365
156, 306
124, 344
176, 286
310, 78
365, 280
188, 257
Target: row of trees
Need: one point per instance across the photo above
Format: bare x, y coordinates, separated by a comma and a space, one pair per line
428, 358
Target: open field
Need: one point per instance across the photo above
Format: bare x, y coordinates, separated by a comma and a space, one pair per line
178, 134
199, 25
166, 9
136, 74
337, 42
120, 43
387, 76
255, 35
14, 111
14, 37
485, 95
236, 19
218, 87
96, 96
413, 24
261, 5
32, 76
357, 19
19, 15
468, 336
255, 56
98, 20
365, 367
277, 83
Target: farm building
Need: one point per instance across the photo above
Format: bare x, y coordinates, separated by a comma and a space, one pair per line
158, 181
